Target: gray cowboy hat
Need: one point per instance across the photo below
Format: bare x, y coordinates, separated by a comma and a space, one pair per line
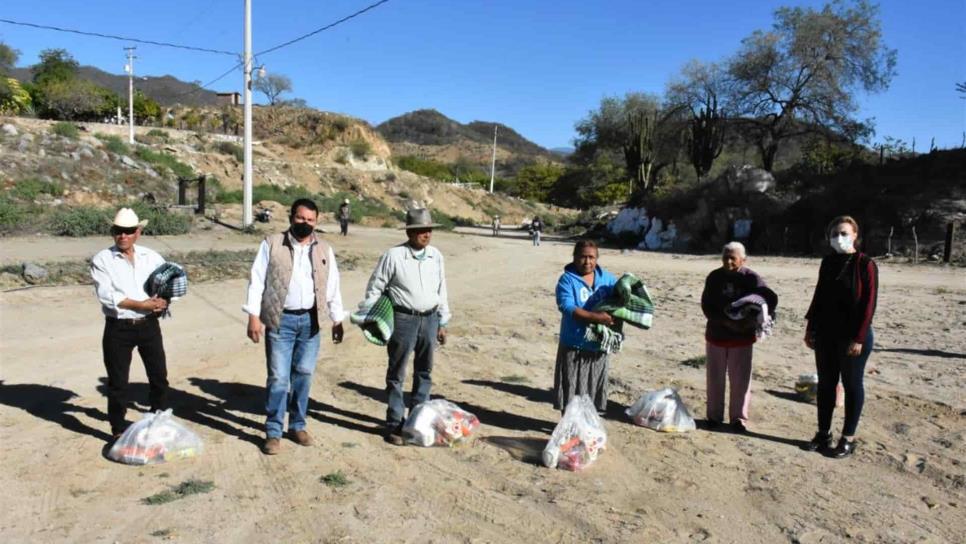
419, 218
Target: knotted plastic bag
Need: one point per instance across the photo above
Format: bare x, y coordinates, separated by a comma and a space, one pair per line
157, 438
579, 437
662, 410
439, 422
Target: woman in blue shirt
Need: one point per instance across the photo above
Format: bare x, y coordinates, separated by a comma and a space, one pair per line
581, 368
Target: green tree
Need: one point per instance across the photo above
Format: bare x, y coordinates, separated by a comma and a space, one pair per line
273, 86
8, 58
535, 181
55, 65
804, 73
145, 108
76, 100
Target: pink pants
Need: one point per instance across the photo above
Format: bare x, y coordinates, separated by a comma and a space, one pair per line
736, 362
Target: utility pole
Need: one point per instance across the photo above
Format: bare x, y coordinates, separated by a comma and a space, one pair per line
247, 181
129, 68
493, 163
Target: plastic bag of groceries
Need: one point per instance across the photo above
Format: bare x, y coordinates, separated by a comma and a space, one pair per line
439, 422
157, 438
662, 410
579, 437
807, 387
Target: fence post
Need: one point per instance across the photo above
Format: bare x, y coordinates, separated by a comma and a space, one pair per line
948, 246
889, 249
200, 210
915, 243
182, 186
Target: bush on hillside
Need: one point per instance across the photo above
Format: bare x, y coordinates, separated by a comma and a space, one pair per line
31, 188
360, 148
359, 209
13, 214
166, 160
233, 149
67, 130
94, 221
282, 195
113, 143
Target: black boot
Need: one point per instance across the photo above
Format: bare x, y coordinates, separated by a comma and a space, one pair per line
844, 449
821, 442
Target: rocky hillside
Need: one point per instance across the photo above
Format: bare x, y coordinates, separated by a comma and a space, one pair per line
296, 152
430, 134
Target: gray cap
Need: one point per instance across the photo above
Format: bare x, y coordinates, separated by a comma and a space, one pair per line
419, 218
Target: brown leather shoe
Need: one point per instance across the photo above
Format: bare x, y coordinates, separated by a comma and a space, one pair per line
302, 438
272, 446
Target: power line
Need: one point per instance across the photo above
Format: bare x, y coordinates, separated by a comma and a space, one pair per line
121, 38
210, 83
323, 29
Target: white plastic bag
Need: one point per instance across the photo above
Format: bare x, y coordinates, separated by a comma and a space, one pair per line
579, 437
662, 410
157, 438
439, 422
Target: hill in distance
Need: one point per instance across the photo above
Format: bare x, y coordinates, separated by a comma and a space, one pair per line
430, 133
166, 90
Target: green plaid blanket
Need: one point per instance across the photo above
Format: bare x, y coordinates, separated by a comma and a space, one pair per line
376, 321
628, 302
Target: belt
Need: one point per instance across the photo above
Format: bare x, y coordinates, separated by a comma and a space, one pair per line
134, 321
407, 311
298, 312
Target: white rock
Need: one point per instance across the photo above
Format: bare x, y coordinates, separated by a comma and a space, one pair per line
9, 129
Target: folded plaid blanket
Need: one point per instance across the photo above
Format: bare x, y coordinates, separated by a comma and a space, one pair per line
168, 281
628, 302
376, 321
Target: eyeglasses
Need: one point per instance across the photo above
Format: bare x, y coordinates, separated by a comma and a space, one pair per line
117, 231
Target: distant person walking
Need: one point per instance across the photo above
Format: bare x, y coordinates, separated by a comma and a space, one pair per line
581, 368
412, 275
293, 280
344, 214
839, 329
536, 227
730, 342
496, 225
130, 317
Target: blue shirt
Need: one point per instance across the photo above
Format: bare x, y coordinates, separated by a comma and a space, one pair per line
572, 293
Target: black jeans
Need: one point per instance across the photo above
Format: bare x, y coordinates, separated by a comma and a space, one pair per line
411, 333
120, 339
344, 226
832, 362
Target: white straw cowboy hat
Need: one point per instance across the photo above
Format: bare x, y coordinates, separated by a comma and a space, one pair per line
346, 201
126, 218
419, 218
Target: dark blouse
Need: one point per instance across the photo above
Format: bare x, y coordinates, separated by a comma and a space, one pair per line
845, 298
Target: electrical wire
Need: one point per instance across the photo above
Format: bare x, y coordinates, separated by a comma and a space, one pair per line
323, 29
121, 38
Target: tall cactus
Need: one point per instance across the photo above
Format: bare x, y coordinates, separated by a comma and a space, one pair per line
639, 151
706, 138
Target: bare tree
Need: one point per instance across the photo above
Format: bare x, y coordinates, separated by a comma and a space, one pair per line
273, 86
804, 72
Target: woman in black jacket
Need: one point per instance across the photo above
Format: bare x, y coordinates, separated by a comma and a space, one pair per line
839, 329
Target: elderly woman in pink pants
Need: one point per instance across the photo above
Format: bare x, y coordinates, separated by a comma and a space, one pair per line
730, 341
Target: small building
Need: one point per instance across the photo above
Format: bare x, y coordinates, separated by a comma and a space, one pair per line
229, 99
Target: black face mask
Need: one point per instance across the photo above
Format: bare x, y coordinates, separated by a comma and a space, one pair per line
301, 230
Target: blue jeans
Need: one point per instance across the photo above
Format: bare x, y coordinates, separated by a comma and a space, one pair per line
832, 363
290, 352
411, 333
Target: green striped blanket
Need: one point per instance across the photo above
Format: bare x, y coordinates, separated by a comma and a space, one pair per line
628, 302
376, 321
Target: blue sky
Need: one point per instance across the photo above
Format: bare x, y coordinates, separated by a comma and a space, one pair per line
537, 66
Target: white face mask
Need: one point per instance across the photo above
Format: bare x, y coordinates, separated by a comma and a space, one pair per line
841, 243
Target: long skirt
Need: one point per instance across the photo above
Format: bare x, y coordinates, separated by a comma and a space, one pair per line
580, 372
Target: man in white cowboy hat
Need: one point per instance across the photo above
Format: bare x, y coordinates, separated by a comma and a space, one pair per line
131, 316
344, 217
413, 277
294, 285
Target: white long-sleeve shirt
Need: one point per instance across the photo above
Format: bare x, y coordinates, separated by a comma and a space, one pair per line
410, 281
116, 279
301, 288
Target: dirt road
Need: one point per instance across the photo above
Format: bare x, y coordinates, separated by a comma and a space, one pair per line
906, 482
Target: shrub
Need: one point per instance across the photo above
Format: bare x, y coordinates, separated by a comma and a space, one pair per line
342, 157
163, 222
160, 134
359, 209
113, 143
31, 188
425, 167
360, 148
229, 148
282, 195
167, 160
67, 130
81, 221
12, 214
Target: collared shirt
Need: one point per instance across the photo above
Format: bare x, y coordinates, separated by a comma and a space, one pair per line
301, 288
415, 280
116, 279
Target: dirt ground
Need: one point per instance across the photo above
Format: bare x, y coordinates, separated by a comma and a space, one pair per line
906, 482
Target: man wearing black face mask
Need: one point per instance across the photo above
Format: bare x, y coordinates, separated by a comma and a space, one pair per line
294, 275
